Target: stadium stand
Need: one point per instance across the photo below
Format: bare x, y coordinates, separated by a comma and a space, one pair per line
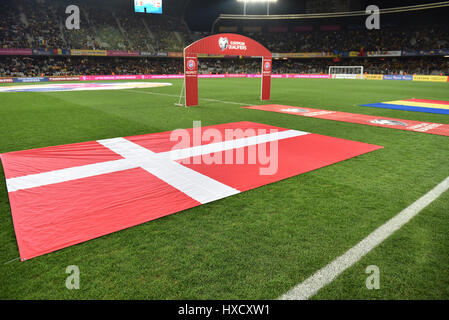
426, 38
62, 66
12, 30
128, 121
13, 66
40, 24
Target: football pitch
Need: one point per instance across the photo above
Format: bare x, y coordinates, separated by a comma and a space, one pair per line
260, 243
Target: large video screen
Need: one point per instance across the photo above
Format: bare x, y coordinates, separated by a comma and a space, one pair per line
148, 6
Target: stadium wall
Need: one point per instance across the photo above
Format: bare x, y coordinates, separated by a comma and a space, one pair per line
424, 78
152, 77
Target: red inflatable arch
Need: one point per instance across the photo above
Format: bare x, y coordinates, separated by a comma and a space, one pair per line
224, 44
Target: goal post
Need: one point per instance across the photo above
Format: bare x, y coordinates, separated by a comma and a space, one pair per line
346, 72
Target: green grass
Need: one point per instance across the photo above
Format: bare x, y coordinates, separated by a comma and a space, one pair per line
258, 244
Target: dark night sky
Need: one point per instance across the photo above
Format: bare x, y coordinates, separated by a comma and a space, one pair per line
200, 14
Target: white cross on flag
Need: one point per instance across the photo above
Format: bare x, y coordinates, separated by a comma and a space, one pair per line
64, 195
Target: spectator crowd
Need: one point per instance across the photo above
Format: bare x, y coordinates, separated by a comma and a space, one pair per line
41, 24
12, 66
392, 38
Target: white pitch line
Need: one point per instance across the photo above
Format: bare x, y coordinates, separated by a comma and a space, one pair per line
155, 93
329, 273
228, 102
205, 99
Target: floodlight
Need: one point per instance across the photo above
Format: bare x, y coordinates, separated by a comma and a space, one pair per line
245, 2
257, 0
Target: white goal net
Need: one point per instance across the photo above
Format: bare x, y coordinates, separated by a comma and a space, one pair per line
346, 72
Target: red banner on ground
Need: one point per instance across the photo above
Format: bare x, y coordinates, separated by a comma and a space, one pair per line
64, 195
377, 121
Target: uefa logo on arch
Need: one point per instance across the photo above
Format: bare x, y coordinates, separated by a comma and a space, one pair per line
191, 64
267, 66
223, 43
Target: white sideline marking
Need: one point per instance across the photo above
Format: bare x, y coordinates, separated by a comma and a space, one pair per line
205, 99
199, 187
329, 273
